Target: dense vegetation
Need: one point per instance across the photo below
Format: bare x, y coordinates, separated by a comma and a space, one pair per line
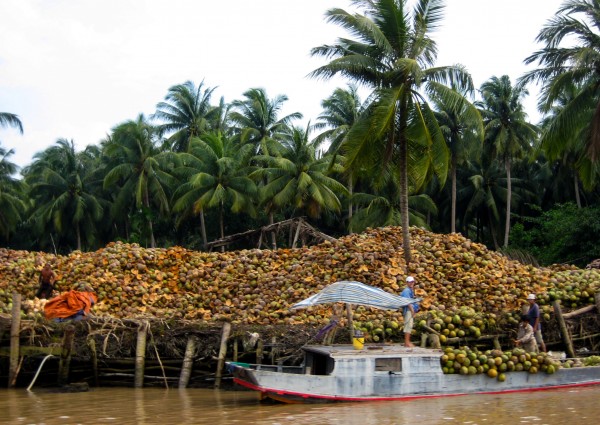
424, 148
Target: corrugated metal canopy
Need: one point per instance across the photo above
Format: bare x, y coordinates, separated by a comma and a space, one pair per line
353, 292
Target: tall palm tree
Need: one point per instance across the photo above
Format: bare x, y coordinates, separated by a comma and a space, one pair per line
216, 176
12, 204
61, 193
462, 126
11, 120
393, 54
381, 207
571, 55
571, 151
256, 120
186, 113
137, 171
507, 132
340, 111
298, 179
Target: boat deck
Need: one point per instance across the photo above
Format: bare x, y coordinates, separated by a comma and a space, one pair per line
342, 350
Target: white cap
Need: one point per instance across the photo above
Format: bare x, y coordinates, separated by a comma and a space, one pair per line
410, 279
531, 297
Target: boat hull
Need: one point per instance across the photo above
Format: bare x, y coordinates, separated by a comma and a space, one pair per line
295, 388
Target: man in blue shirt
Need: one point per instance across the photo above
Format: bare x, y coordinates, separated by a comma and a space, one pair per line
533, 315
409, 311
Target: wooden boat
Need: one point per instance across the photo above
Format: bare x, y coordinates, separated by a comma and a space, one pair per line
387, 372
358, 372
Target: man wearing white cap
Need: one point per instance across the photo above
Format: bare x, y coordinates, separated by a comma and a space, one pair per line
533, 315
409, 311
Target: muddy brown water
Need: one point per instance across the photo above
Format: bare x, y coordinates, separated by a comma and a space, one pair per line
150, 406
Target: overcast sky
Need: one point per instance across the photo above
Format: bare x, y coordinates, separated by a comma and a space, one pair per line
76, 68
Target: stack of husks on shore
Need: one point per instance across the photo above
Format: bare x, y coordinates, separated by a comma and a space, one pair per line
469, 292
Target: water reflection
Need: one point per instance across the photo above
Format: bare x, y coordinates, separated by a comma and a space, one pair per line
151, 406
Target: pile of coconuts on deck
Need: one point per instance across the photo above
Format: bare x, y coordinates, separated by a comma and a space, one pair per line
467, 290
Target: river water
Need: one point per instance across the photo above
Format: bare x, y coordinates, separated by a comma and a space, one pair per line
153, 406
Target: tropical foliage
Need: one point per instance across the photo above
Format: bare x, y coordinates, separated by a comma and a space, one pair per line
425, 148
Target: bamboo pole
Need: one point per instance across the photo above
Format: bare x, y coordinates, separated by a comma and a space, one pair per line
65, 355
188, 361
563, 329
140, 354
94, 358
15, 328
222, 353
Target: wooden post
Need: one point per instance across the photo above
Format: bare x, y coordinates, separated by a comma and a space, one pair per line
15, 329
259, 351
597, 299
65, 355
94, 358
297, 233
497, 345
235, 349
140, 354
563, 329
434, 341
222, 353
188, 361
350, 322
274, 350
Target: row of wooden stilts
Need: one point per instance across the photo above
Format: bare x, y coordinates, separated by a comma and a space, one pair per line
140, 357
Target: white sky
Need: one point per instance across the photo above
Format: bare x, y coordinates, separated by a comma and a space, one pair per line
76, 68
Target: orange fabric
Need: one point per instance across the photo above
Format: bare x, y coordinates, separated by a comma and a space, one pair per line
69, 303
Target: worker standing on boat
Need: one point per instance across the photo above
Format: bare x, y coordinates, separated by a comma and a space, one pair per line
409, 311
534, 320
525, 336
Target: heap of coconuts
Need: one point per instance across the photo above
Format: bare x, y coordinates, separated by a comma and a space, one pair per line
466, 289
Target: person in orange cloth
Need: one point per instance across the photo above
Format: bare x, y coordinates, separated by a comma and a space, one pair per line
72, 305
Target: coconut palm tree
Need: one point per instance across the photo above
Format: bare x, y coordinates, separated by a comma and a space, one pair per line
215, 174
462, 126
186, 113
393, 54
137, 171
571, 55
12, 204
340, 111
507, 132
299, 179
11, 120
256, 120
61, 193
569, 153
381, 207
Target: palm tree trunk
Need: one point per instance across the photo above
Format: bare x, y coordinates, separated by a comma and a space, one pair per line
203, 231
493, 230
273, 235
150, 226
453, 207
221, 226
404, 200
508, 201
577, 197
78, 233
350, 190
